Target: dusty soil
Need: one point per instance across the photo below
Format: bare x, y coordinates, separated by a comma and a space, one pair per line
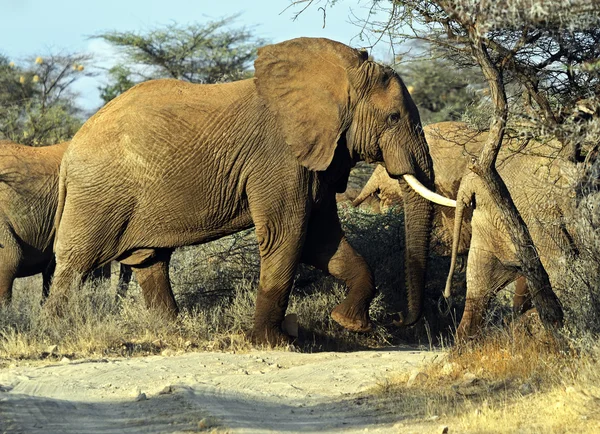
255, 392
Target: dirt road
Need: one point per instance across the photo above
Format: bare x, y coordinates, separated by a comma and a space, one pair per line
255, 392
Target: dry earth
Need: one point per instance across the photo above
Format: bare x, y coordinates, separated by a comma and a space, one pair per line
255, 392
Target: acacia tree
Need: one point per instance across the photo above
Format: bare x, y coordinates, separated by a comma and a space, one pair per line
37, 101
547, 51
441, 90
198, 53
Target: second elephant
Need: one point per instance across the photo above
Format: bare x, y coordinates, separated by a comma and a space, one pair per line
452, 146
542, 188
28, 201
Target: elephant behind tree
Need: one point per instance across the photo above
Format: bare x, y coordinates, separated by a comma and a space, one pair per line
542, 188
452, 146
173, 164
28, 201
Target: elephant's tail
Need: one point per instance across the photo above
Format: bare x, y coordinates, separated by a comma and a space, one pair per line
463, 199
62, 195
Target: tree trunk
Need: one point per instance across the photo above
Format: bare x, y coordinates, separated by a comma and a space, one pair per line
544, 299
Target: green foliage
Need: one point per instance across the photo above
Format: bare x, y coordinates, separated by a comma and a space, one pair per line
37, 102
198, 53
441, 90
120, 77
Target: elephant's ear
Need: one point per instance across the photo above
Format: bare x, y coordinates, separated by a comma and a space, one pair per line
304, 82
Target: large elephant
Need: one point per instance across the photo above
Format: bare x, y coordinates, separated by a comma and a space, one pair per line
28, 201
542, 188
169, 164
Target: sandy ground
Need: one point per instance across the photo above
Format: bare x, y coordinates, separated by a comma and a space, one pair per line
255, 392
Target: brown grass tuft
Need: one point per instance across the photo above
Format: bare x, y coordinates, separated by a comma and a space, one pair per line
510, 381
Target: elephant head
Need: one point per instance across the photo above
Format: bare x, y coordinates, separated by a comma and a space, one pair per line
329, 100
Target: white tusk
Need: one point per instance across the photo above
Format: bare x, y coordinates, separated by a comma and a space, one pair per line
428, 194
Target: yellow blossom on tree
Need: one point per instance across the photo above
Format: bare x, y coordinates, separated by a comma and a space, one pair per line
410, 89
39, 60
80, 68
35, 78
22, 79
11, 64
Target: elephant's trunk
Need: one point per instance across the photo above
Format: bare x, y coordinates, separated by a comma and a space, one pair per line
414, 164
418, 213
418, 216
461, 203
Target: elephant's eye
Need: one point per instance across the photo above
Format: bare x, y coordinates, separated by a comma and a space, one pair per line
394, 118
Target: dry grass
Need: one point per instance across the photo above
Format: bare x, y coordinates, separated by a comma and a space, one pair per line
511, 381
96, 324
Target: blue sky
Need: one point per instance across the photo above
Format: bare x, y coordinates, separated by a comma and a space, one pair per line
36, 27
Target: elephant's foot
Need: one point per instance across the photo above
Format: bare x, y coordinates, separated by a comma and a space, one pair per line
467, 331
168, 312
161, 302
269, 336
56, 305
352, 318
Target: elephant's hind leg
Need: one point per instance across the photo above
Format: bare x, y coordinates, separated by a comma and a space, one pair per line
8, 271
153, 278
125, 273
65, 277
47, 275
326, 248
101, 273
88, 236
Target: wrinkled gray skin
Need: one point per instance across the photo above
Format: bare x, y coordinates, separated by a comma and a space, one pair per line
28, 201
543, 191
170, 164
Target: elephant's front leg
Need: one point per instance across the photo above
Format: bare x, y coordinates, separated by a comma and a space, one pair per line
486, 275
280, 244
326, 248
522, 301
